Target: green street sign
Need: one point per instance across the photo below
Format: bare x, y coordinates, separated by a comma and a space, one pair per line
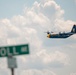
14, 50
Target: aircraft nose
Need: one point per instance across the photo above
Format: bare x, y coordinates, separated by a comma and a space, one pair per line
48, 35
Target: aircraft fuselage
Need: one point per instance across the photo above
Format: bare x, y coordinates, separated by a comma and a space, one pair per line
61, 35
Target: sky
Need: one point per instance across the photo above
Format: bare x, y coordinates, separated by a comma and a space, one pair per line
25, 21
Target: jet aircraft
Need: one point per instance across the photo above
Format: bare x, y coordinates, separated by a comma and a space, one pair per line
62, 35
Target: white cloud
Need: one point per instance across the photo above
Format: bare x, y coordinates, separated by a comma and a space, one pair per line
37, 72
44, 60
73, 74
30, 27
3, 64
51, 57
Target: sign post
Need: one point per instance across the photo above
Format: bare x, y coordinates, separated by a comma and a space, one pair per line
12, 71
10, 51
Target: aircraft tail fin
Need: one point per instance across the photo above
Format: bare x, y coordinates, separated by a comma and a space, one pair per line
73, 29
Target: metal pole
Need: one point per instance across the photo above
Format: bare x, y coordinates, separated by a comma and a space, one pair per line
12, 71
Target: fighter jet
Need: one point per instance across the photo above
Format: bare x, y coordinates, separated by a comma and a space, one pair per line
62, 35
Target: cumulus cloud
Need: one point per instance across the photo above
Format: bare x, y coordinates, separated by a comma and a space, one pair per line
44, 60
30, 27
50, 57
37, 72
2, 64
73, 73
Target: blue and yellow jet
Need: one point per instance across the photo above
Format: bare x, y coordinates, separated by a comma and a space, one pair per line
62, 35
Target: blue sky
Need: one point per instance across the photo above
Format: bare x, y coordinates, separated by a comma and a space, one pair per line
10, 8
25, 21
15, 7
69, 6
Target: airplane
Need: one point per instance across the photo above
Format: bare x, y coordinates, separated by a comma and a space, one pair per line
61, 35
